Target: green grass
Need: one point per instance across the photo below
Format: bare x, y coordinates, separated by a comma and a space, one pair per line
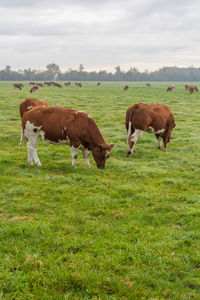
130, 231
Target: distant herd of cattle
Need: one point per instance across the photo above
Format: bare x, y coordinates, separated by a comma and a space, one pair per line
35, 86
77, 129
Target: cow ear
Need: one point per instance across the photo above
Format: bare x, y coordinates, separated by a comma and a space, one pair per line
111, 145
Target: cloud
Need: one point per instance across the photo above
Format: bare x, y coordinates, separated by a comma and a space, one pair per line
99, 33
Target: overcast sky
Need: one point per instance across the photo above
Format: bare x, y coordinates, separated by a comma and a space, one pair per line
146, 34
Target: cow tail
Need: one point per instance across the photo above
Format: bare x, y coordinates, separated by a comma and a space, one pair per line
129, 117
21, 139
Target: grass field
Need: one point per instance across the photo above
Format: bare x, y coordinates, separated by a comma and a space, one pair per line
130, 231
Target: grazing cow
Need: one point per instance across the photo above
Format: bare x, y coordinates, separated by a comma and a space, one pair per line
32, 83
66, 83
187, 86
126, 87
98, 83
47, 83
59, 125
191, 89
51, 83
155, 118
170, 88
17, 86
78, 84
39, 84
29, 103
33, 89
57, 84
148, 85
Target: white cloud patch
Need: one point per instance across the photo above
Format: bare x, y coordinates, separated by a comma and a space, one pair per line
147, 34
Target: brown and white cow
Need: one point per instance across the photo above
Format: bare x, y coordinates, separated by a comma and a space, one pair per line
33, 89
98, 83
17, 86
59, 125
126, 87
148, 85
57, 84
170, 88
29, 103
192, 88
155, 118
39, 84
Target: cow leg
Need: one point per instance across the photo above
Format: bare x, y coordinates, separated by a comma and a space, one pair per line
85, 155
159, 138
32, 151
166, 137
74, 154
134, 137
32, 134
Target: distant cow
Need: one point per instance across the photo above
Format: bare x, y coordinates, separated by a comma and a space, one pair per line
47, 83
66, 84
98, 83
78, 84
39, 84
148, 85
187, 86
59, 125
32, 83
126, 87
57, 84
155, 118
17, 86
170, 88
33, 89
193, 88
29, 103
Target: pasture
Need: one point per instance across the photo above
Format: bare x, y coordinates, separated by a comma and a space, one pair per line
130, 231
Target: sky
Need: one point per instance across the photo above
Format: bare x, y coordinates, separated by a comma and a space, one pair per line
146, 34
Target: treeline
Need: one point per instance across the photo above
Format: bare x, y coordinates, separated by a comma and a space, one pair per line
53, 72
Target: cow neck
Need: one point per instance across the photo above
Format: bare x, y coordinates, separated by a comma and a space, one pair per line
95, 135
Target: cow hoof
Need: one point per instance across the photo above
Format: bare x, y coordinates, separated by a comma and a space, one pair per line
165, 149
128, 154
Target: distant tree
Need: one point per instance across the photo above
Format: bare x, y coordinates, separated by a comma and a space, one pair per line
117, 69
81, 68
53, 68
8, 69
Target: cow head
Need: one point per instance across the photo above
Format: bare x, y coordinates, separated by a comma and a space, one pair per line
101, 153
